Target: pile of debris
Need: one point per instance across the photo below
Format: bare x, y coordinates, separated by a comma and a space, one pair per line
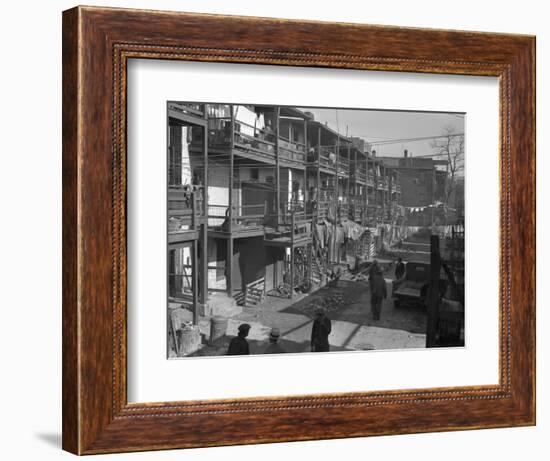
331, 303
359, 277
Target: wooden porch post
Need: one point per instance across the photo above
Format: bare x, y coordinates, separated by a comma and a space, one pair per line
203, 237
365, 191
433, 292
349, 179
229, 258
318, 169
306, 188
277, 169
194, 268
375, 183
292, 256
337, 164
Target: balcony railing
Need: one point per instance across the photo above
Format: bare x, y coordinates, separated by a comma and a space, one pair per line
359, 175
357, 208
246, 137
324, 156
343, 166
187, 108
370, 179
382, 184
292, 151
184, 207
249, 138
292, 224
243, 217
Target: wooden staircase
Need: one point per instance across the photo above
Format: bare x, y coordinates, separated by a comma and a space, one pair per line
253, 294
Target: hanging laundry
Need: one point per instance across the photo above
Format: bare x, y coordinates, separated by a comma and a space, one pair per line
251, 122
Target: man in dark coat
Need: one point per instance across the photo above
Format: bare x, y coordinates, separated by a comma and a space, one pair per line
274, 346
378, 293
239, 344
320, 331
373, 269
399, 275
399, 269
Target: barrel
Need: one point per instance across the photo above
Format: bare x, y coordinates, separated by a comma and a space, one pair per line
218, 327
189, 340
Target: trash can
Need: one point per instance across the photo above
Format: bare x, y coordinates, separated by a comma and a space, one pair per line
189, 340
218, 327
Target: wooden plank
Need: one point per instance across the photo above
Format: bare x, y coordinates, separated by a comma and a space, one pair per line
71, 420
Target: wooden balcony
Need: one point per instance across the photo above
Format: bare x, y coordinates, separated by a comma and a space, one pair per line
382, 184
370, 179
292, 152
190, 108
246, 221
359, 176
291, 230
324, 158
357, 208
184, 213
259, 144
343, 167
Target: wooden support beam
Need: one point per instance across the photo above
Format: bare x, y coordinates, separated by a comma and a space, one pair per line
195, 281
433, 198
292, 256
306, 189
383, 176
376, 203
195, 223
318, 169
336, 192
203, 235
433, 292
229, 257
365, 190
277, 169
349, 177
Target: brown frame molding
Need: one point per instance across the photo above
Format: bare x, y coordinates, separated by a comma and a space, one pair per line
97, 42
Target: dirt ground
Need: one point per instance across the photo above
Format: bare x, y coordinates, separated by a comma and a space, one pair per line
348, 306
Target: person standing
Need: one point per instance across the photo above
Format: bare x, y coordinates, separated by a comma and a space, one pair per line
320, 331
373, 269
274, 346
399, 269
378, 293
399, 275
239, 344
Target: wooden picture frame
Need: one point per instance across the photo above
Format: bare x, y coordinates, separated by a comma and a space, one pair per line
97, 43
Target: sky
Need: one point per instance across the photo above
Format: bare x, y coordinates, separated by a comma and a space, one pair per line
378, 125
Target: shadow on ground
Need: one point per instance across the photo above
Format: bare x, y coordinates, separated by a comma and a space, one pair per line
53, 439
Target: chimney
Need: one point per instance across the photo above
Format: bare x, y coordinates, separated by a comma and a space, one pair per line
406, 153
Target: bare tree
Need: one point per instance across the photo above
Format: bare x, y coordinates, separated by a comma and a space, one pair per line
450, 146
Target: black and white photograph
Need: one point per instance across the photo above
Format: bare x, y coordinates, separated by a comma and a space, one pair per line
313, 229
275, 231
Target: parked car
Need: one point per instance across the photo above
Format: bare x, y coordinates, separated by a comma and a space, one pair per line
412, 289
